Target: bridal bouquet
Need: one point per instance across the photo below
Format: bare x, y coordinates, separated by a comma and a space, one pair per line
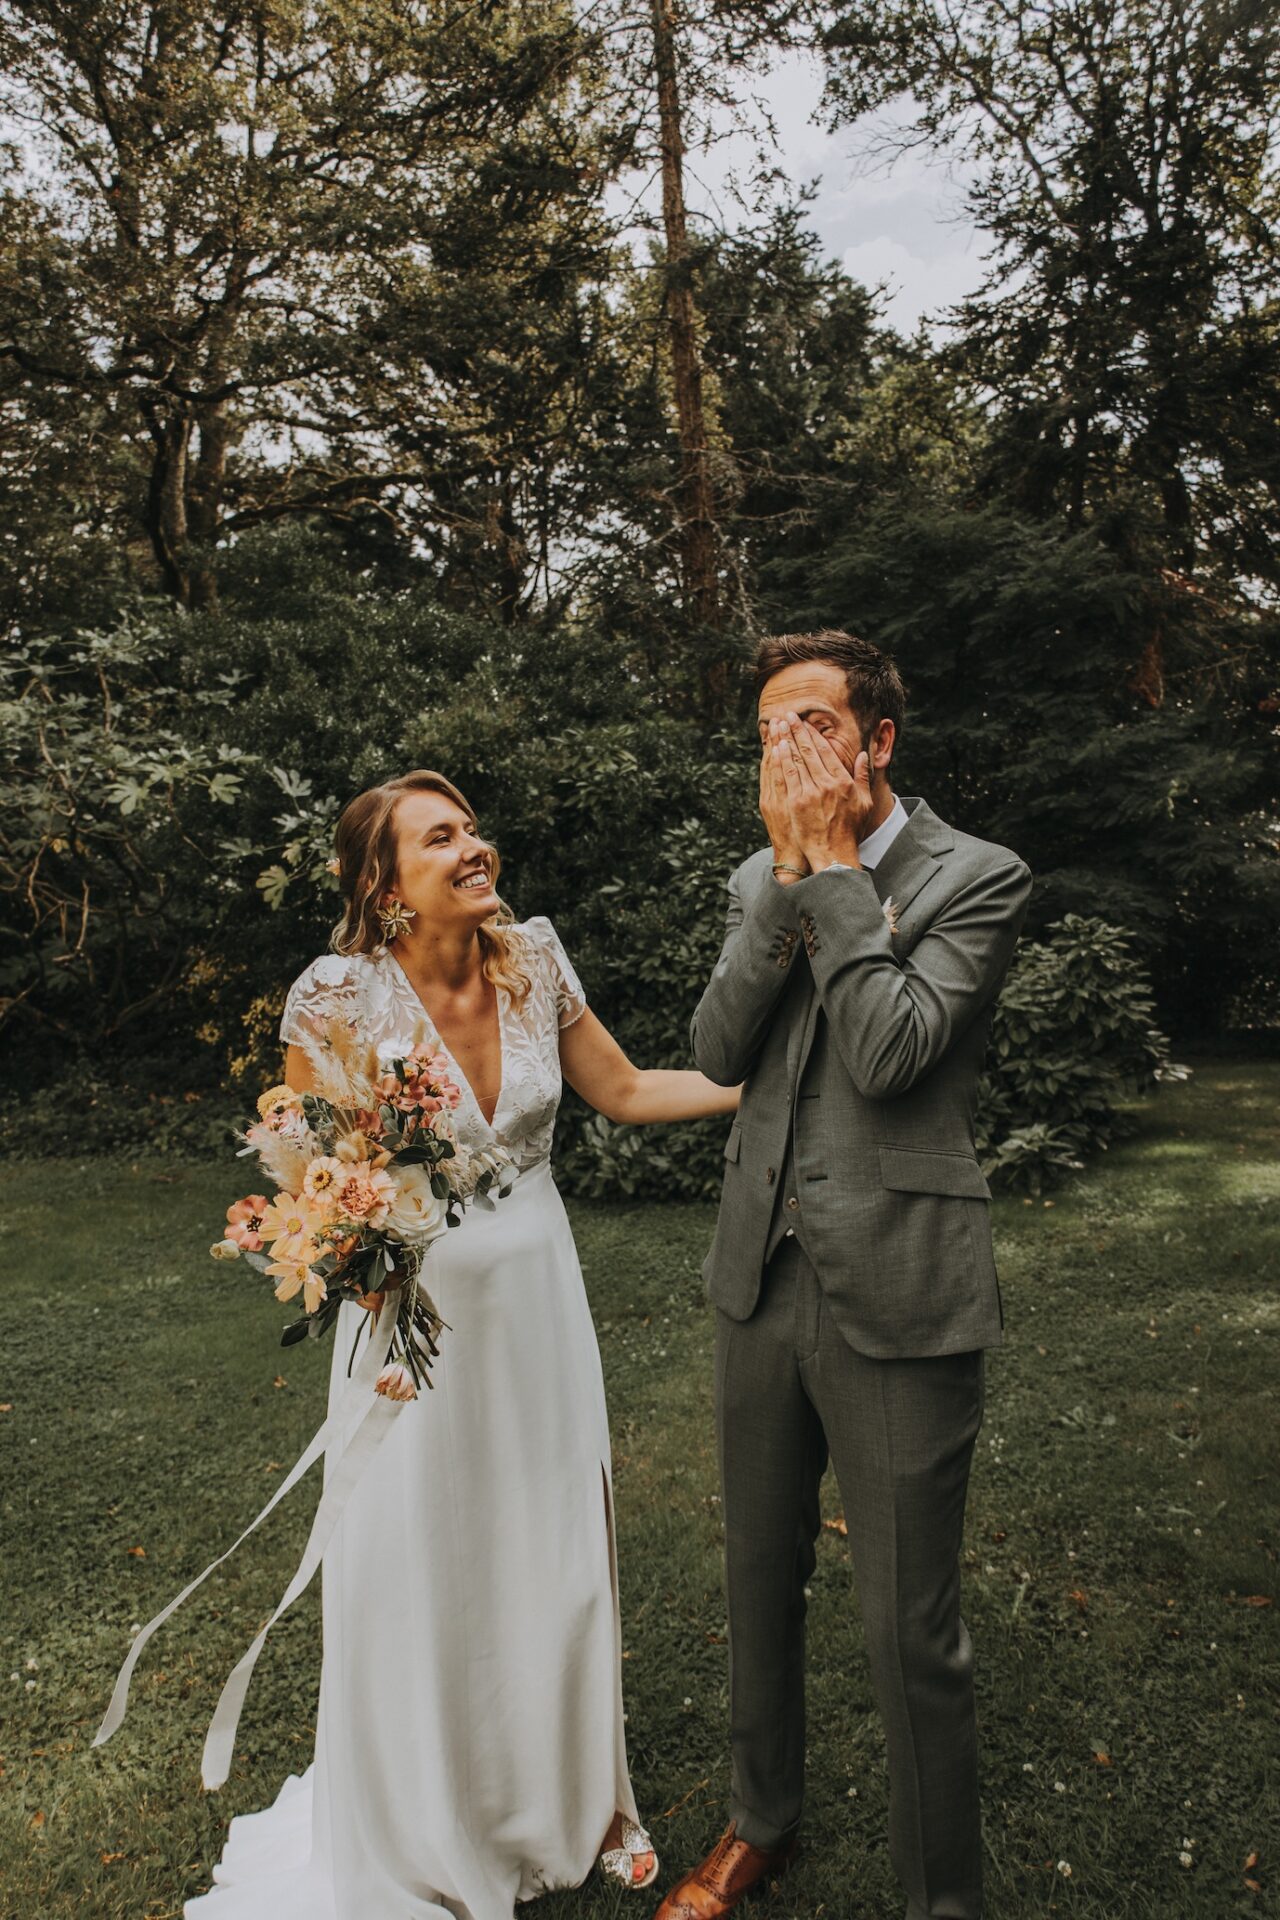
369, 1172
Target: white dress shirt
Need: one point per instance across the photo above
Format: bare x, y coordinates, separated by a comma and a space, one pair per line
873, 849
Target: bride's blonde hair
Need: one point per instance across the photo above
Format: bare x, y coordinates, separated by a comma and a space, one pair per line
365, 844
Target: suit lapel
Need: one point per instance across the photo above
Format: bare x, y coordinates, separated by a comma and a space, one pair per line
913, 856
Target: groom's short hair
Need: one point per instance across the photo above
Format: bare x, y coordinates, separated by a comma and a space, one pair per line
874, 684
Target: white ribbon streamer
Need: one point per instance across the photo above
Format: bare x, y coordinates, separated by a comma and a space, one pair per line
374, 1425
364, 1443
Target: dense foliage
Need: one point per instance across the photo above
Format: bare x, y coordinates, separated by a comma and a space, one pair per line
346, 425
187, 883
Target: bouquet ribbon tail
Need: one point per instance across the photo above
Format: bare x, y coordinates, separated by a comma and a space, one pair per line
373, 1426
360, 1449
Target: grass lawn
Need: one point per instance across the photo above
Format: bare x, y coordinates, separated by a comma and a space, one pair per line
1121, 1558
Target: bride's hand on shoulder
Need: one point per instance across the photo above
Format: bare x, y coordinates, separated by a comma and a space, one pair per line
598, 1069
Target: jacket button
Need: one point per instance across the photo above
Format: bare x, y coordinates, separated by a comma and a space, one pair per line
769, 1176
792, 1202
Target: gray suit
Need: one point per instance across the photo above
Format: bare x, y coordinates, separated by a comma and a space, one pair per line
855, 1289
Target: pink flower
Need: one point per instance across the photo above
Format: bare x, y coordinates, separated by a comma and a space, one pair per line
396, 1382
426, 1087
244, 1222
365, 1194
430, 1083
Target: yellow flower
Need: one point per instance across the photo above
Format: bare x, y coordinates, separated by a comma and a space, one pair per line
277, 1101
225, 1250
295, 1274
289, 1224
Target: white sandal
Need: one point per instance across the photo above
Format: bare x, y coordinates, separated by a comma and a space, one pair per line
619, 1862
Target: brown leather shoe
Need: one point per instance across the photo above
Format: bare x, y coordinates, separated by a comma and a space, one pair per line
730, 1871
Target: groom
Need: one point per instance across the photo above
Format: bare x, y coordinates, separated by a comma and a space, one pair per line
851, 1269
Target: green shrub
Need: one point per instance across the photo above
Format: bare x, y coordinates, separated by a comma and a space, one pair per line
172, 787
1073, 1036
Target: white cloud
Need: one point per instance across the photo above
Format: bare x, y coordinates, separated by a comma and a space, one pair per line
917, 285
889, 216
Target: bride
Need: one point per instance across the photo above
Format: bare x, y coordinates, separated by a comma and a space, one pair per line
469, 1748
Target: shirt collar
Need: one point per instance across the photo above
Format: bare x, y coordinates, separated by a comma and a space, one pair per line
877, 844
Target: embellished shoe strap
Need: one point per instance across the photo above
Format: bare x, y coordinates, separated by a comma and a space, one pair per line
635, 1839
620, 1861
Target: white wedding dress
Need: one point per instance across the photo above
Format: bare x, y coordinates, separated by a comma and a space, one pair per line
469, 1748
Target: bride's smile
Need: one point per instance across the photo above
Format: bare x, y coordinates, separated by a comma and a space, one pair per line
444, 869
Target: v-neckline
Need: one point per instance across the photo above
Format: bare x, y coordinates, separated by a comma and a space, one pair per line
447, 1051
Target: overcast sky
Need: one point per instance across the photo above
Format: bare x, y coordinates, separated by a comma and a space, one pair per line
902, 222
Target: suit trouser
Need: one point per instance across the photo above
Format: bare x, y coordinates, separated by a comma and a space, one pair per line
900, 1433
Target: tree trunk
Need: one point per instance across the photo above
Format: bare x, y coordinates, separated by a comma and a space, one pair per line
698, 542
206, 481
512, 551
166, 512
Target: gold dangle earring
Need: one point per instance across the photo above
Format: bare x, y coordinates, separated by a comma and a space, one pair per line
395, 920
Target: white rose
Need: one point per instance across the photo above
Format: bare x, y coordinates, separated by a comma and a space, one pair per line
415, 1215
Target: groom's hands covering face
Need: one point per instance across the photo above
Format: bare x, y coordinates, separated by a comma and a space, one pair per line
821, 805
775, 810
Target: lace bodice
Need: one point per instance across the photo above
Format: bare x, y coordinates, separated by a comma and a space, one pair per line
374, 994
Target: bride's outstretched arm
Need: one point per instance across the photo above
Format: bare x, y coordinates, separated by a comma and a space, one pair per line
596, 1067
298, 1070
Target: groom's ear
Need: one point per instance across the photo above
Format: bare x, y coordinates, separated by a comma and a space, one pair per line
884, 736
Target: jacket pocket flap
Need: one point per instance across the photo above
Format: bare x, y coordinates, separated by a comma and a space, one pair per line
733, 1145
909, 1170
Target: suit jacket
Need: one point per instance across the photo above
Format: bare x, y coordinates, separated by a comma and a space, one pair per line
860, 1049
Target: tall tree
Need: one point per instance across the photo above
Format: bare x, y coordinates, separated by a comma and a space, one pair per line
1129, 332
237, 192
700, 565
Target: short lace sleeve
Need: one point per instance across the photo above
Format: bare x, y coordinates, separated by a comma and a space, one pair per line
328, 987
570, 1000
